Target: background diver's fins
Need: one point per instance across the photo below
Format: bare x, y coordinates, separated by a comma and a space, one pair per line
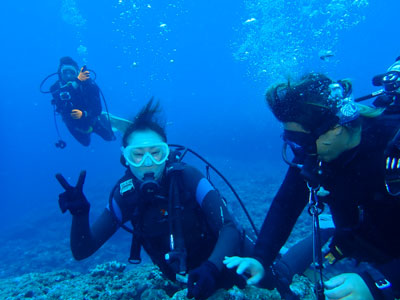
117, 123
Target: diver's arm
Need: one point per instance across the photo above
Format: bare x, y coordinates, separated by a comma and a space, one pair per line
281, 218
93, 101
223, 226
85, 240
217, 216
377, 274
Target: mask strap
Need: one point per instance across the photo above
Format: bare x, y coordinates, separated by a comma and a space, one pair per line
286, 160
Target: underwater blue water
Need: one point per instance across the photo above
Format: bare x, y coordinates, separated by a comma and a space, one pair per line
181, 52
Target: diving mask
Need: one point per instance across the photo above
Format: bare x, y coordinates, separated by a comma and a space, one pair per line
342, 103
146, 154
301, 143
68, 73
390, 80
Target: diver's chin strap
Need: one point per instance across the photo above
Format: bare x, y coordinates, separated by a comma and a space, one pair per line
315, 208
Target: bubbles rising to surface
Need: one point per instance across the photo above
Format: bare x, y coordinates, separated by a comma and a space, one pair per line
289, 34
71, 15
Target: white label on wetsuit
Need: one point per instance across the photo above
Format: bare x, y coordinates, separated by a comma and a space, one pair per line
126, 186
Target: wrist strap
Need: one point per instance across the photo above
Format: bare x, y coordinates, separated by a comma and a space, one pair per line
381, 284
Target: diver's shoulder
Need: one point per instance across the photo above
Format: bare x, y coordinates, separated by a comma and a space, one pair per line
55, 86
190, 176
191, 171
381, 129
127, 175
90, 83
385, 121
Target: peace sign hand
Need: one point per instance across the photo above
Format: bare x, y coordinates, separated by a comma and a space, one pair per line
73, 198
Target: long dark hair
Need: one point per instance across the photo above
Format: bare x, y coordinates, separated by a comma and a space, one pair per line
306, 101
303, 102
147, 119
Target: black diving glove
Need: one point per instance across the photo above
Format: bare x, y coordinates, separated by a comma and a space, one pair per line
392, 171
73, 198
202, 281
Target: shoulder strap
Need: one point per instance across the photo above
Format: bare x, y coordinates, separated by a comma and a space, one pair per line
126, 187
177, 255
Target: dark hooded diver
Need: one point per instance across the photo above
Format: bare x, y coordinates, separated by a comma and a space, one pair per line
342, 147
77, 100
178, 217
390, 81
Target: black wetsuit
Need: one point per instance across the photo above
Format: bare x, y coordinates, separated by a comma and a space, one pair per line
366, 217
209, 232
85, 97
391, 103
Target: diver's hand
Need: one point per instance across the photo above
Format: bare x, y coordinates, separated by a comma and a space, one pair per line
73, 198
77, 114
83, 75
347, 286
202, 281
246, 265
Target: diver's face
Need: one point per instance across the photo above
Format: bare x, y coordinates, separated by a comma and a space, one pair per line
331, 144
147, 154
68, 73
328, 146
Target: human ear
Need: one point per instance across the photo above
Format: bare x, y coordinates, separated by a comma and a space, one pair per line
338, 130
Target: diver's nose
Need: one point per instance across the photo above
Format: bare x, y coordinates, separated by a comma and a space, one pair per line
147, 162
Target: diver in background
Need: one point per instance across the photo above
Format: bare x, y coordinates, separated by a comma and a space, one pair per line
77, 99
346, 149
178, 217
390, 81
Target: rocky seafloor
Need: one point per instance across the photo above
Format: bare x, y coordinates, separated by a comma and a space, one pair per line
112, 281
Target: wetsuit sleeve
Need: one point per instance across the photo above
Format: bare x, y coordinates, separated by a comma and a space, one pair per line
217, 216
383, 101
286, 207
391, 272
388, 271
86, 239
91, 93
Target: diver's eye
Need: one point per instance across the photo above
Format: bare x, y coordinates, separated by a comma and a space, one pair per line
69, 73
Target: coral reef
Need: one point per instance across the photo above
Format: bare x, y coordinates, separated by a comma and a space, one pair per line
112, 281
